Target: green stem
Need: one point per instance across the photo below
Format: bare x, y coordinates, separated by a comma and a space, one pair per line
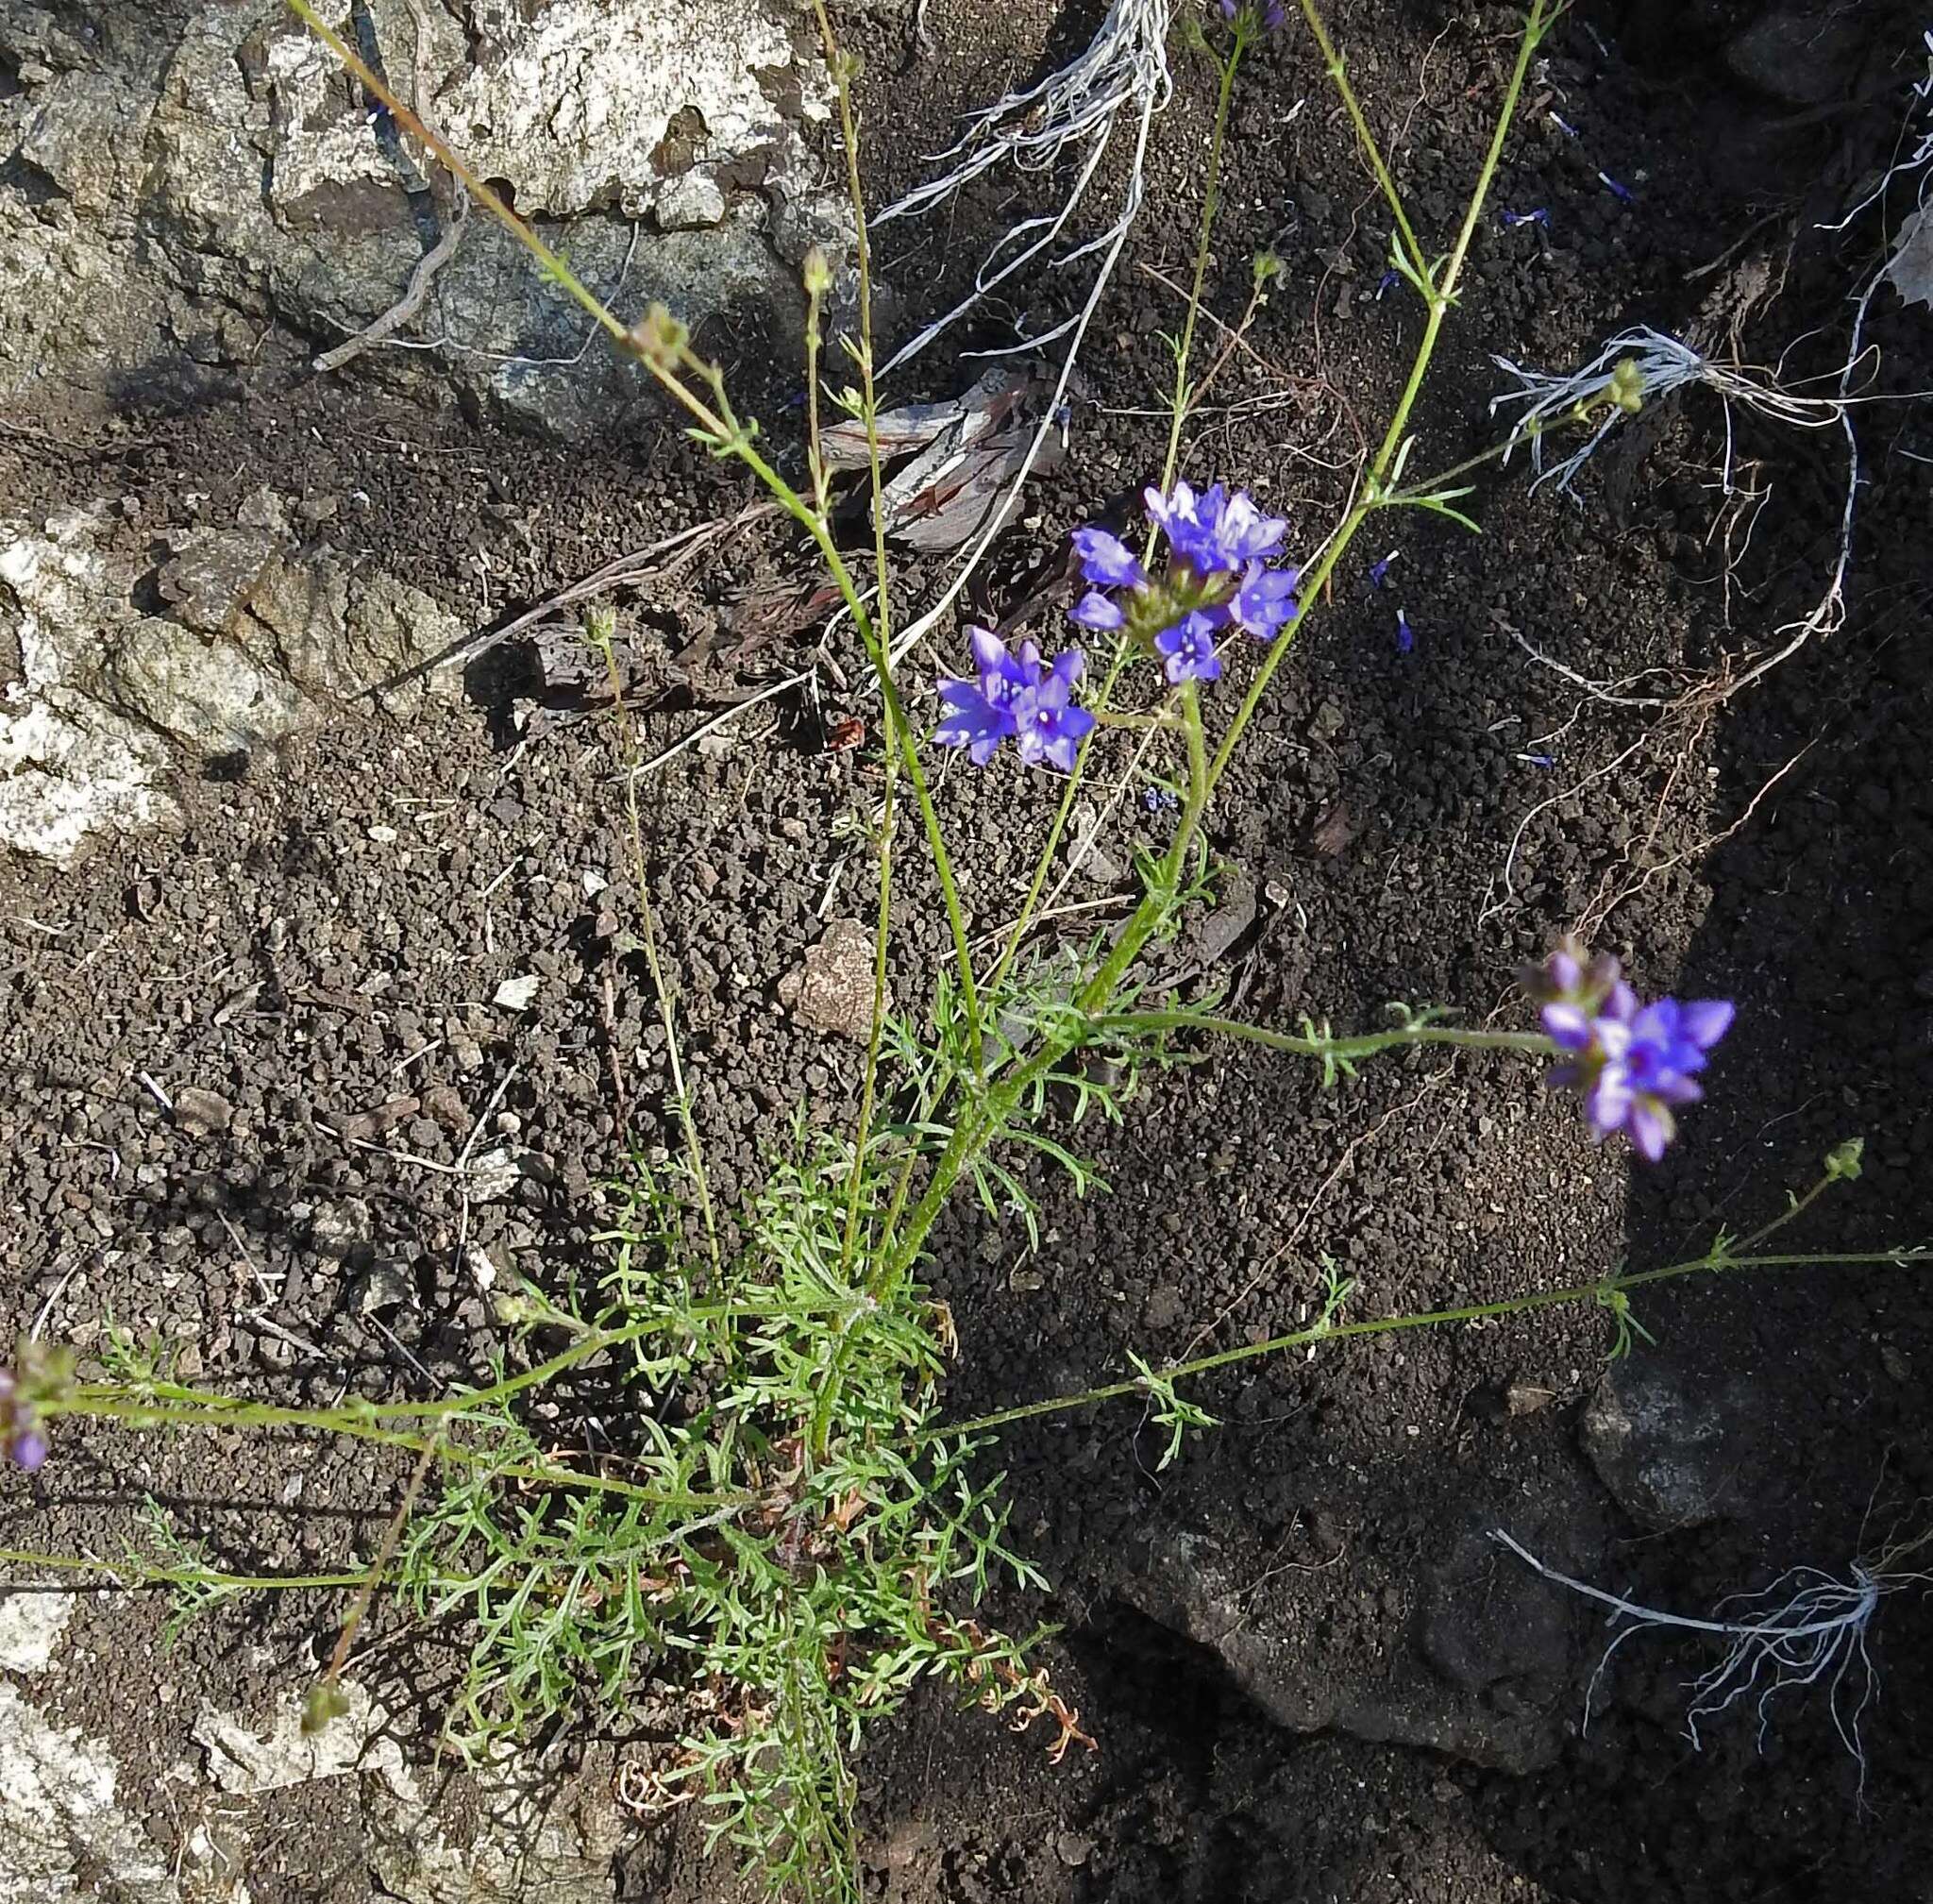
1443, 296
869, 1085
1146, 918
1469, 1312
654, 965
593, 1343
719, 425
1182, 402
1418, 492
141, 1414
1339, 73
1043, 865
1343, 1049
841, 70
147, 1574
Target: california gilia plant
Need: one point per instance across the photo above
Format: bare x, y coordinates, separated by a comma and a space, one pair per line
792, 1530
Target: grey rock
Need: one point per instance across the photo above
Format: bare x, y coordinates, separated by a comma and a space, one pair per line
199, 182
1800, 58
208, 695
696, 202
383, 1287
63, 1829
265, 639
1672, 1454
1499, 1696
73, 769
1224, 928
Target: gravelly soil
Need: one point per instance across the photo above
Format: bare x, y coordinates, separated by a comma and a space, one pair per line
323, 945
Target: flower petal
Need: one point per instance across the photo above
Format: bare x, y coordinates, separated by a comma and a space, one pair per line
1650, 1126
1707, 1021
1106, 559
1099, 611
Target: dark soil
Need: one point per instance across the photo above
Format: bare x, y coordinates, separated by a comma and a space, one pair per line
326, 939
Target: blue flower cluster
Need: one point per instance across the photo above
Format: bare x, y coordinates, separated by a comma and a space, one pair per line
1218, 547
1217, 576
1015, 697
1629, 1064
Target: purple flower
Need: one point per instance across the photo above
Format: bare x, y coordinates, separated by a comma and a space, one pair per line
1563, 126
1389, 282
1406, 636
1268, 16
1011, 692
1047, 724
1107, 560
971, 722
1629, 1064
1513, 219
38, 1374
1619, 191
1265, 604
1379, 571
1214, 534
1101, 613
1216, 574
1189, 649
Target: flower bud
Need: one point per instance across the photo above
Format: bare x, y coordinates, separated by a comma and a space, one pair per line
659, 337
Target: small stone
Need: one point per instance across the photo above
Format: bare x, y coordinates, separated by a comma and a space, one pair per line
383, 835
1222, 930
1073, 1849
200, 1113
385, 1285
518, 994
493, 1175
832, 991
1526, 1398
1329, 720
1895, 1362
1798, 57
1026, 1282
1164, 1307
336, 1228
263, 508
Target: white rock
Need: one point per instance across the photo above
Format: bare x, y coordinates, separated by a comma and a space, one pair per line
62, 1835
29, 1625
244, 1763
693, 201
518, 994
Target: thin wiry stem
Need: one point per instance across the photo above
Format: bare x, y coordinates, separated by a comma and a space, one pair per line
1432, 1319
1211, 200
1095, 996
